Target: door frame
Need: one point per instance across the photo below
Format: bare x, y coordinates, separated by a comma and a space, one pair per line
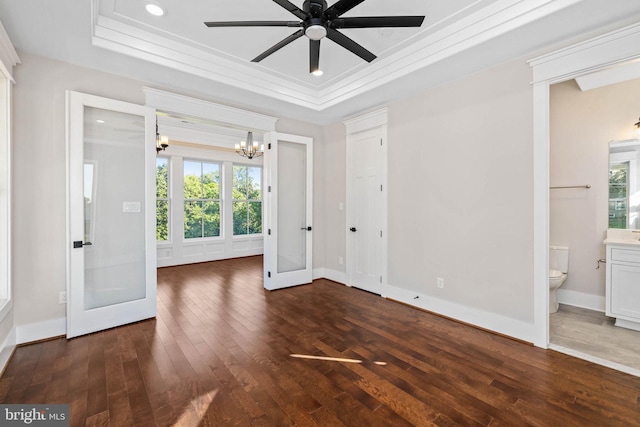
613, 48
374, 120
127, 312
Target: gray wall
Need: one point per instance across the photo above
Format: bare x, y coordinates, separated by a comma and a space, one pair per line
460, 192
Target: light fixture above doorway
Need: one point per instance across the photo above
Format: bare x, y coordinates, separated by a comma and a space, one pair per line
249, 148
162, 141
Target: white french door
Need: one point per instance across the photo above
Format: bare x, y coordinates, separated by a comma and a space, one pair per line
288, 169
111, 268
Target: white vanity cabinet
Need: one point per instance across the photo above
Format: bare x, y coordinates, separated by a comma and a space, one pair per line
623, 284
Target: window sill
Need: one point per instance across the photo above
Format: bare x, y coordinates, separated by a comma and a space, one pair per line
248, 236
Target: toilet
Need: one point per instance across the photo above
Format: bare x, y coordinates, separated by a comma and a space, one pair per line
558, 269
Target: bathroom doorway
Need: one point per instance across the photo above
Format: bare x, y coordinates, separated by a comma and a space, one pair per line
584, 117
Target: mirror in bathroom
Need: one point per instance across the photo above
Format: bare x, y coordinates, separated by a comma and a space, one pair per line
624, 184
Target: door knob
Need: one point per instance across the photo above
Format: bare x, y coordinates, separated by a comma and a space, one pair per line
353, 229
80, 243
306, 228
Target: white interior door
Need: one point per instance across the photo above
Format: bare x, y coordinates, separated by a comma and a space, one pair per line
365, 210
288, 167
111, 276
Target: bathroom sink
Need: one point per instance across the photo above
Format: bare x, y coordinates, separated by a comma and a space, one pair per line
622, 237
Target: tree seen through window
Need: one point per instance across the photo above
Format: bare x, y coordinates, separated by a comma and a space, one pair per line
201, 199
247, 200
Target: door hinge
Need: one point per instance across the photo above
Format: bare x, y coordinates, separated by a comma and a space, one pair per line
380, 279
268, 274
381, 142
380, 233
269, 189
269, 232
380, 187
269, 146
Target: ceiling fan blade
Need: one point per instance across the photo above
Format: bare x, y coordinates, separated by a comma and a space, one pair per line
278, 46
292, 8
349, 44
314, 55
377, 21
342, 6
254, 24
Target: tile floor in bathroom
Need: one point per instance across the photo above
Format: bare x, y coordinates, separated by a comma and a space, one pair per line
594, 333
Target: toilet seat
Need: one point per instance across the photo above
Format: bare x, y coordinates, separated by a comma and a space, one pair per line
555, 274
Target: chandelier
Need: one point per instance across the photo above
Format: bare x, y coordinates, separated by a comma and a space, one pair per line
249, 148
162, 141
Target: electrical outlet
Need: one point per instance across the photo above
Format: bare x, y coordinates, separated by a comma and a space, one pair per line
62, 298
340, 260
440, 282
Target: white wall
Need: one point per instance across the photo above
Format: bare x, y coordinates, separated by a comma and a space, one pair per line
460, 192
460, 181
39, 205
582, 125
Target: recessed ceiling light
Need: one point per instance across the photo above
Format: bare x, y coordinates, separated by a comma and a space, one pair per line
100, 121
317, 73
154, 9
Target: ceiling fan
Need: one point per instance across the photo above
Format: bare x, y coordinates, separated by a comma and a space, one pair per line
319, 21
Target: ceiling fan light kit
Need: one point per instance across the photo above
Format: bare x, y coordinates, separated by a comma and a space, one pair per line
319, 21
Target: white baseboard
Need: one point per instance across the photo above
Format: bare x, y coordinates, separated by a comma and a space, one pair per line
580, 299
41, 330
483, 319
336, 276
7, 348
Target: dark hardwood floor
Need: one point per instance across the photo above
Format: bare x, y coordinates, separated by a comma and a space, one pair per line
220, 353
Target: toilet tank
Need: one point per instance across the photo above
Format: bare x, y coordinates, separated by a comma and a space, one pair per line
559, 258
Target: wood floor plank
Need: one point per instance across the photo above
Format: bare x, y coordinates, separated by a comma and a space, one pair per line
220, 351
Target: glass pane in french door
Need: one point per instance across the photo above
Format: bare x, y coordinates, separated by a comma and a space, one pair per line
292, 213
114, 195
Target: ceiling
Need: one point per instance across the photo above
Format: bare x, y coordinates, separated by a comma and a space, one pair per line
178, 52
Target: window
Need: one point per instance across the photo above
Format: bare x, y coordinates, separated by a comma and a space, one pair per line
618, 195
201, 199
162, 198
247, 200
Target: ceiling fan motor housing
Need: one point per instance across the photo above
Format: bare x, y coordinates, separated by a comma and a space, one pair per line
314, 7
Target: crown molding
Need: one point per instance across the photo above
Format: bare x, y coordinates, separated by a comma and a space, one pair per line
367, 121
496, 19
614, 47
8, 55
210, 112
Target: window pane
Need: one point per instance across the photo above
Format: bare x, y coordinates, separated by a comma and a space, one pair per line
162, 178
239, 182
211, 180
211, 222
192, 220
192, 180
162, 220
255, 218
254, 178
240, 218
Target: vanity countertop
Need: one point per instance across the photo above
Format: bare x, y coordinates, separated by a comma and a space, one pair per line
623, 242
622, 237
